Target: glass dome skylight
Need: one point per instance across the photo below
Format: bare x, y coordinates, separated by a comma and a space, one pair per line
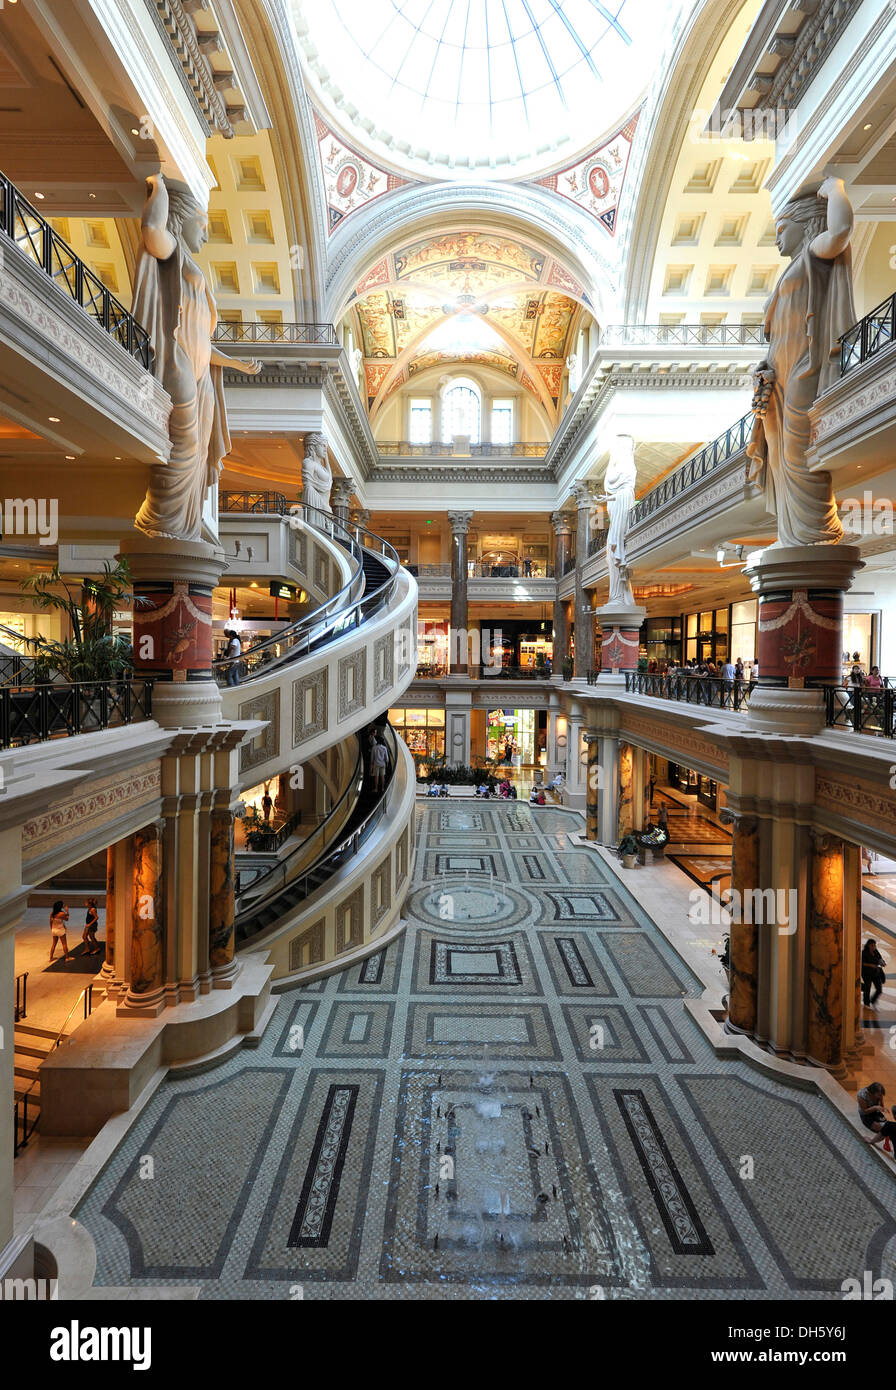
482, 83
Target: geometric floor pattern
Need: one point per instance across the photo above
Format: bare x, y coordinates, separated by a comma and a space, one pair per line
510, 1101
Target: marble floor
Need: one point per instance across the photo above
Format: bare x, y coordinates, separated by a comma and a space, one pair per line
509, 1101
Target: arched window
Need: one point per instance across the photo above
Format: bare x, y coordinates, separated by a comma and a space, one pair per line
462, 411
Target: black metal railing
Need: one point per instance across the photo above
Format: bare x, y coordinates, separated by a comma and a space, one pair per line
713, 691
477, 570
596, 542
510, 673
569, 564
861, 711
43, 245
21, 1129
869, 336
694, 469
296, 890
32, 714
271, 503
342, 613
21, 1009
682, 334
315, 333
403, 448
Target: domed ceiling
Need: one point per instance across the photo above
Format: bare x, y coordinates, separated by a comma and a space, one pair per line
499, 87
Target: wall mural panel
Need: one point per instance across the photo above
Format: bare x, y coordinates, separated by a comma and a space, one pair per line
350, 180
594, 182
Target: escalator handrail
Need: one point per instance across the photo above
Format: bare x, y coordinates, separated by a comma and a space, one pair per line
354, 840
281, 866
335, 615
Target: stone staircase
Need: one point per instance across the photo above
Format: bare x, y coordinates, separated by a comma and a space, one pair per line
31, 1047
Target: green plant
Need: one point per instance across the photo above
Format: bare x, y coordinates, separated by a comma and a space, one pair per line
628, 845
725, 953
642, 663
568, 668
92, 652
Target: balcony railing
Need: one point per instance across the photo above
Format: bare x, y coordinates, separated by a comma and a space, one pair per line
402, 448
32, 714
596, 542
682, 334
34, 236
315, 333
694, 469
434, 672
861, 711
271, 503
869, 336
712, 691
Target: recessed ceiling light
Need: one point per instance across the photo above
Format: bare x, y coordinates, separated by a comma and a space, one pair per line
53, 419
40, 196
70, 457
134, 130
91, 195
867, 127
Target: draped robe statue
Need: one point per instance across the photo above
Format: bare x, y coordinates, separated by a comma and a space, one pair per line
317, 476
174, 303
619, 481
809, 308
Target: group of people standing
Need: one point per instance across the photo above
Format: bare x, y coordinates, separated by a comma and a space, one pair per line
727, 670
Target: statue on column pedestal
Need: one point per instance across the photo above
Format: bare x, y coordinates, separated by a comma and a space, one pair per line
173, 301
810, 307
317, 476
619, 481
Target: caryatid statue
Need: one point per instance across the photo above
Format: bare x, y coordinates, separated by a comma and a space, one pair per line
809, 308
619, 482
173, 301
317, 476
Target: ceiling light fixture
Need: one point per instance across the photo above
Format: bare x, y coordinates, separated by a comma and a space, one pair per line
53, 419
40, 196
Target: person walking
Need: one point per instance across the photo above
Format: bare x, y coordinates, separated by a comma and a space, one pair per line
267, 806
234, 652
873, 976
58, 919
88, 936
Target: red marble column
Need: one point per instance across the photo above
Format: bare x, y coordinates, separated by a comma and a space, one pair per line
625, 821
147, 932
221, 903
619, 649
824, 1034
744, 935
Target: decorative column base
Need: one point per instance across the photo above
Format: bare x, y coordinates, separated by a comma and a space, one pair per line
173, 585
800, 641
621, 626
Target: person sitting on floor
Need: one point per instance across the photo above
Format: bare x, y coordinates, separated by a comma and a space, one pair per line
482, 790
504, 789
537, 797
873, 1115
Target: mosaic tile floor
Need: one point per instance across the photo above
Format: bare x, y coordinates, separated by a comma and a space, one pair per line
510, 1101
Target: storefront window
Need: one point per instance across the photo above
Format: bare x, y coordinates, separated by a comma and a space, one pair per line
432, 648
423, 730
511, 737
743, 630
859, 636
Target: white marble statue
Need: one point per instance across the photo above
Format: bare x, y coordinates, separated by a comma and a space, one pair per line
575, 376
619, 482
809, 308
317, 476
173, 301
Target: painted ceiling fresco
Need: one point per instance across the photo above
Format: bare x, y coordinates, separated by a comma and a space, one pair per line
528, 305
594, 182
350, 180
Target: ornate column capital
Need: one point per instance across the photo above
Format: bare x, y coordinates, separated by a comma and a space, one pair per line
342, 491
361, 518
583, 494
460, 522
562, 523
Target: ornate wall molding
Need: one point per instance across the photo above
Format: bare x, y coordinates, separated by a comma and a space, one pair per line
105, 803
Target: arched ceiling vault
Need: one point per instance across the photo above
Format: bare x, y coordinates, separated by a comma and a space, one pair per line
469, 295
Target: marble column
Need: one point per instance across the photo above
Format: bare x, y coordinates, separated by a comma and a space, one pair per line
800, 632
221, 899
340, 498
584, 630
625, 816
109, 962
592, 800
145, 993
743, 935
458, 640
361, 518
562, 531
824, 1031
